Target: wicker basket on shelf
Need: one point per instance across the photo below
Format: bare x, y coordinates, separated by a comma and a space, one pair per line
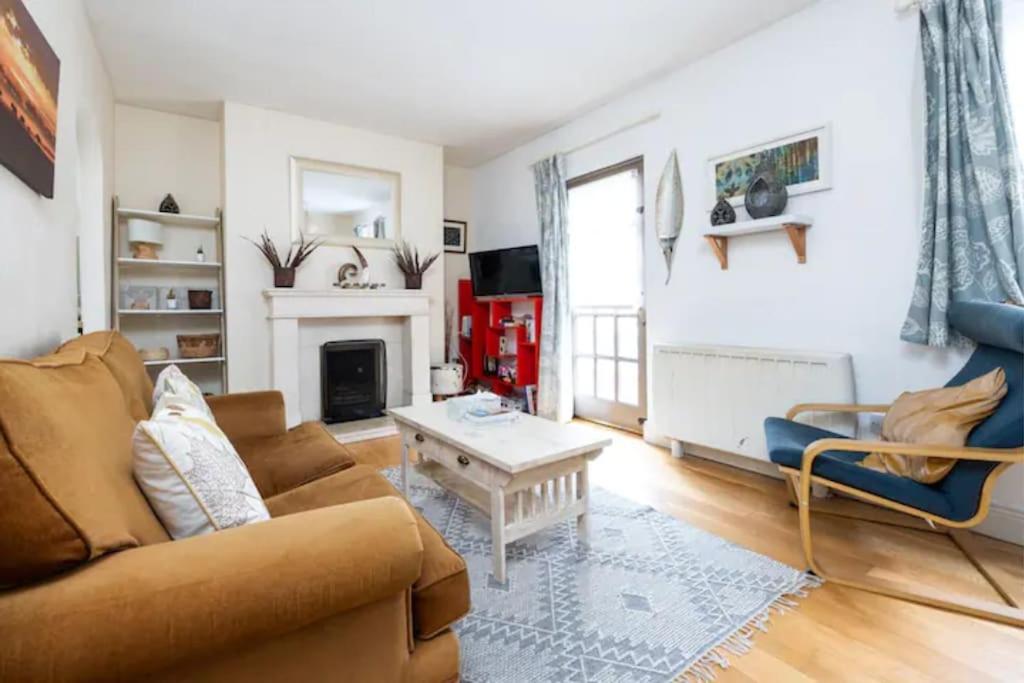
198, 345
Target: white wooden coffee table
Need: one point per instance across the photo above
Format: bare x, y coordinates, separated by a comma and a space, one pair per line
527, 475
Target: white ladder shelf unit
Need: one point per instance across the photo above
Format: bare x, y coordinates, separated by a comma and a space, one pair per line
176, 271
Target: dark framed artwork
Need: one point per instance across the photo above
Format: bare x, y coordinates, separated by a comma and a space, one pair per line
455, 236
29, 80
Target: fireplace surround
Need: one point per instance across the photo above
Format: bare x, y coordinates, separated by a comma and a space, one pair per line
353, 380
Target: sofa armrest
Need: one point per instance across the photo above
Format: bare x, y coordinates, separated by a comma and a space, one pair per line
144, 609
248, 415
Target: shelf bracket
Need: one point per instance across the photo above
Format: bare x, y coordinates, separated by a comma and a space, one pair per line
798, 237
720, 245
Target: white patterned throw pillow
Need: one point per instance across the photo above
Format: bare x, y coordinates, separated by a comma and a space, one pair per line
173, 388
192, 475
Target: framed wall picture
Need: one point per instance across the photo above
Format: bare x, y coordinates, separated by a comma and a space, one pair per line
802, 160
29, 79
455, 236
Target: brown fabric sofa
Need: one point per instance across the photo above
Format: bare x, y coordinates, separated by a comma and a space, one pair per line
346, 583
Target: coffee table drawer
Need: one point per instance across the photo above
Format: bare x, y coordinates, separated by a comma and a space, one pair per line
464, 465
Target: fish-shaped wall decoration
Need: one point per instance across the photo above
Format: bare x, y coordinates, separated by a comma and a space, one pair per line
668, 210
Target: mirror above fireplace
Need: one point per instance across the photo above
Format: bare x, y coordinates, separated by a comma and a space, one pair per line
345, 205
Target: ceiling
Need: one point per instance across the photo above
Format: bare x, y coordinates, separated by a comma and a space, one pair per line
475, 76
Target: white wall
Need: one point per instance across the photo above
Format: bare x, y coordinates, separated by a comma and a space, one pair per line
156, 153
257, 147
458, 197
38, 288
852, 63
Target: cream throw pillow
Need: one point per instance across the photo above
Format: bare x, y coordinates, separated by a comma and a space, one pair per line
172, 387
943, 417
192, 475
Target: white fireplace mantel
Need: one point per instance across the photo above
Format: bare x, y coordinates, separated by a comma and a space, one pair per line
286, 307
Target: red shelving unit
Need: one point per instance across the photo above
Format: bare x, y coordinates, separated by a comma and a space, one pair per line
487, 331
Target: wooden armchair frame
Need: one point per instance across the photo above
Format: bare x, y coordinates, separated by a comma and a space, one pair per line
799, 482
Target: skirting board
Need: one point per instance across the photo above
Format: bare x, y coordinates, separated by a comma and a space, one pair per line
1003, 522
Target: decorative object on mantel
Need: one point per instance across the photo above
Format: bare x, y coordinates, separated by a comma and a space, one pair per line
767, 195
144, 238
198, 345
723, 213
352, 276
168, 205
200, 299
668, 210
284, 271
454, 236
407, 258
802, 162
795, 226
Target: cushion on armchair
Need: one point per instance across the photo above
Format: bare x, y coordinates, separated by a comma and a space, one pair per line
123, 361
942, 417
66, 467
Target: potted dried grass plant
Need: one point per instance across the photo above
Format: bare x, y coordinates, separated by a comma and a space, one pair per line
284, 269
407, 258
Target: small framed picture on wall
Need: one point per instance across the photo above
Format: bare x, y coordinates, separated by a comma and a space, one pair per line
455, 236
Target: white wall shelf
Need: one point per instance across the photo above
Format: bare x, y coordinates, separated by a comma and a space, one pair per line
184, 361
795, 226
168, 311
162, 263
155, 328
171, 218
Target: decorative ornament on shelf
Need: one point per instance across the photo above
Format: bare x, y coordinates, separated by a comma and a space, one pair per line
352, 276
145, 237
767, 195
284, 270
668, 210
171, 300
407, 258
200, 255
723, 213
168, 205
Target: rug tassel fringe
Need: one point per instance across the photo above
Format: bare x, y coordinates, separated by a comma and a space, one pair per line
714, 661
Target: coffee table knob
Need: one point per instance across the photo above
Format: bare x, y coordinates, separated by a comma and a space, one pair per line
463, 460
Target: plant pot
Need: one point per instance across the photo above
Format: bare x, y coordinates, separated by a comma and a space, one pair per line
284, 277
200, 299
414, 281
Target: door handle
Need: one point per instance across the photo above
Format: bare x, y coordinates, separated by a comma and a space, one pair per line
419, 438
463, 460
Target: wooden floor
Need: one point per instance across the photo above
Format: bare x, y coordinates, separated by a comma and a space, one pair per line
836, 634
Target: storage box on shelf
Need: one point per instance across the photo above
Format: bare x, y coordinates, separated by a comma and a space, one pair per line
492, 321
142, 309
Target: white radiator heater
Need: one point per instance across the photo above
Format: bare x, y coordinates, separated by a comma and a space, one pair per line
719, 396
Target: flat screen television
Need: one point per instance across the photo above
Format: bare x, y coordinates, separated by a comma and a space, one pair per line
505, 272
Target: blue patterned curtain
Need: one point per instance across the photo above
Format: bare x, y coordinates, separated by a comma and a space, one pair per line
972, 235
554, 395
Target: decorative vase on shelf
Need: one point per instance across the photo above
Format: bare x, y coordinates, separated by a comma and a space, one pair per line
766, 195
168, 205
284, 277
414, 280
723, 213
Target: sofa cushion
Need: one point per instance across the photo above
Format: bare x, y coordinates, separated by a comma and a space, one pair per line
68, 494
191, 474
281, 462
124, 363
441, 594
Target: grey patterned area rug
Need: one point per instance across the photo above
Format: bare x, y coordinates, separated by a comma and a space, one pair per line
646, 598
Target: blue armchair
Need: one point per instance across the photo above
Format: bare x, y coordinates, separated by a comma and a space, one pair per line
807, 455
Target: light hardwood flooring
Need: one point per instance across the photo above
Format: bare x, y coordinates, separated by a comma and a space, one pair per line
836, 634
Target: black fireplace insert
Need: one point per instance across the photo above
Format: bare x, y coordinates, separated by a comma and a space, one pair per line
353, 380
